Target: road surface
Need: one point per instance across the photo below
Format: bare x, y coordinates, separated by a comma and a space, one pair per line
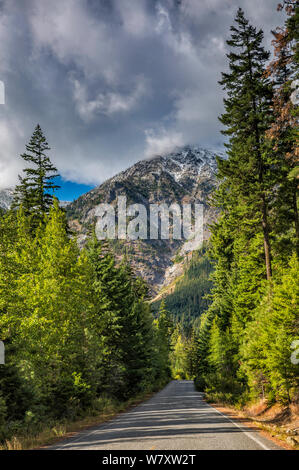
176, 418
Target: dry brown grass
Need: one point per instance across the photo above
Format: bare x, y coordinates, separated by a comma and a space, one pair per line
278, 423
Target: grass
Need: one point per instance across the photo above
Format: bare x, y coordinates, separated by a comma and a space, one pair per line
278, 422
278, 432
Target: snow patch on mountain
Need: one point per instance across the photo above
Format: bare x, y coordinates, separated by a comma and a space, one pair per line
6, 196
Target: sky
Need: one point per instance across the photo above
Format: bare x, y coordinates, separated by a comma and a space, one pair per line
114, 81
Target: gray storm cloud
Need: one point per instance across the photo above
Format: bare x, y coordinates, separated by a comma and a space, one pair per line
113, 82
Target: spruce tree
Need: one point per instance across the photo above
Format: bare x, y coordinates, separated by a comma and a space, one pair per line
36, 188
247, 116
284, 130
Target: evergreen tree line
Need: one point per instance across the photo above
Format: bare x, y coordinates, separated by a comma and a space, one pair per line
190, 297
180, 349
183, 352
77, 328
246, 339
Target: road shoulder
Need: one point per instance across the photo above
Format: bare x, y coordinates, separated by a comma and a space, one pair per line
244, 420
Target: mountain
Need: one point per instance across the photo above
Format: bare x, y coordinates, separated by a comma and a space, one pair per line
184, 176
186, 297
64, 203
6, 196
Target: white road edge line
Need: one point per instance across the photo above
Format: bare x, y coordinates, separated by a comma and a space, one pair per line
240, 427
201, 396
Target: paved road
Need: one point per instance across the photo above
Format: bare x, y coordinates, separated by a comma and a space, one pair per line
176, 418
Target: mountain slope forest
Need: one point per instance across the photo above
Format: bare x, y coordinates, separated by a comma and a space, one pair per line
184, 176
82, 333
189, 297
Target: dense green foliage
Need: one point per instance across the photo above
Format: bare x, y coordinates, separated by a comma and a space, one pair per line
184, 353
246, 337
77, 328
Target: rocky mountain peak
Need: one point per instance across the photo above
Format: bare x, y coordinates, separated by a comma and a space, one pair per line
6, 196
186, 175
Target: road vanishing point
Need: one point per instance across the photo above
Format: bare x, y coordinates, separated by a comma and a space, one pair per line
176, 418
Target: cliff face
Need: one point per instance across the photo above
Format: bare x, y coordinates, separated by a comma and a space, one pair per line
186, 176
6, 196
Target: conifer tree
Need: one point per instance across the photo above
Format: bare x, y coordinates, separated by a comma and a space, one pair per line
164, 331
35, 191
247, 116
191, 362
270, 335
246, 336
283, 132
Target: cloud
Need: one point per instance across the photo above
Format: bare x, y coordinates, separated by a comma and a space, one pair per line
134, 17
11, 134
107, 103
113, 82
162, 142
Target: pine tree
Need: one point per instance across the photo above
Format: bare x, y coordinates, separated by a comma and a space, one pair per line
270, 335
245, 337
164, 330
35, 191
283, 132
109, 292
247, 116
191, 362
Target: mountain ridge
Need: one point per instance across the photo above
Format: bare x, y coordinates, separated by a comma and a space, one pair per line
6, 198
185, 176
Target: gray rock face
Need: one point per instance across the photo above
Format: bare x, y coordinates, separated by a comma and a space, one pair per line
6, 196
186, 176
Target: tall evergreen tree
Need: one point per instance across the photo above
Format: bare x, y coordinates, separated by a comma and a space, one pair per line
284, 130
35, 191
247, 116
165, 328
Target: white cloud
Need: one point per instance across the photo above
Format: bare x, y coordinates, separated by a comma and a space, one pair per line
163, 20
196, 10
11, 135
107, 103
162, 142
68, 29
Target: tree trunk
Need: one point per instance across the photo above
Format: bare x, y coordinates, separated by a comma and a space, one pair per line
295, 207
266, 238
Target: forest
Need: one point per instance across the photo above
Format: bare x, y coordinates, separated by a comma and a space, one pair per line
190, 296
246, 346
79, 330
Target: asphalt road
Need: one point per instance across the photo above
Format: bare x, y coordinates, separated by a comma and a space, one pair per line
176, 418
